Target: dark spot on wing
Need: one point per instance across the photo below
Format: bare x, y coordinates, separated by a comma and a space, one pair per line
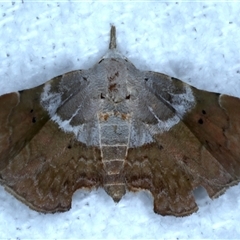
200, 121
160, 147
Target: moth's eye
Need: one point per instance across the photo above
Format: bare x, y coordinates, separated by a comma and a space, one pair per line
146, 79
102, 96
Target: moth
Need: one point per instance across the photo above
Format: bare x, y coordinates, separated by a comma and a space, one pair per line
120, 128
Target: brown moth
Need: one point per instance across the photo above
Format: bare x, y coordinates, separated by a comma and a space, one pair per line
116, 127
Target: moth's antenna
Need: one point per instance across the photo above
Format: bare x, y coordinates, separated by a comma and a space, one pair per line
113, 44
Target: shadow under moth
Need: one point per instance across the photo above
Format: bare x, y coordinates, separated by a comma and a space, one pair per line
116, 127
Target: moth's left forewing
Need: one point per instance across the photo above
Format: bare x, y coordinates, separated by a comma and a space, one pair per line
199, 149
215, 121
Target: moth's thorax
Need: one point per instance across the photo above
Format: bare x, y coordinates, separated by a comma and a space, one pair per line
116, 79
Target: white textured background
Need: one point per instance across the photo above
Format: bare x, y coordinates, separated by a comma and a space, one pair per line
196, 42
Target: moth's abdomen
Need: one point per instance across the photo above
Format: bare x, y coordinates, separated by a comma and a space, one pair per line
114, 130
113, 158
